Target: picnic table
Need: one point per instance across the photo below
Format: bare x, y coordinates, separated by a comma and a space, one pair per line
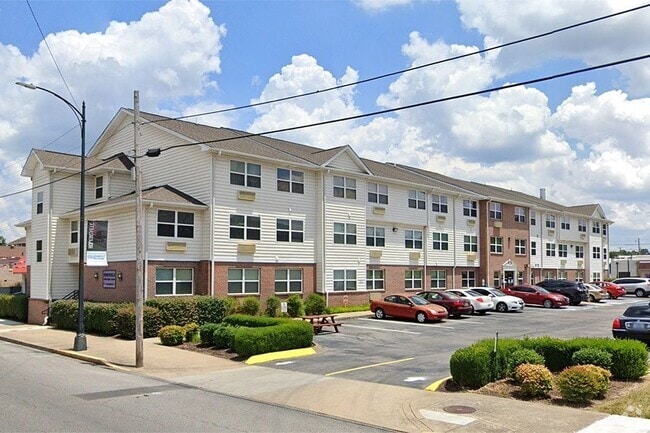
319, 321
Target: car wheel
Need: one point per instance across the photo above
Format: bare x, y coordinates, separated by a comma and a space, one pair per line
548, 303
592, 298
379, 313
472, 310
502, 307
482, 313
639, 293
456, 316
421, 317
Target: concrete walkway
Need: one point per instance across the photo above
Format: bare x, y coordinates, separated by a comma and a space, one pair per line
391, 407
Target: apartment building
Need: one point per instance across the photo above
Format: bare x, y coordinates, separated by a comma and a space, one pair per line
227, 213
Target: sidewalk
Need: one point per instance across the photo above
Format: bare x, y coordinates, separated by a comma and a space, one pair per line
391, 407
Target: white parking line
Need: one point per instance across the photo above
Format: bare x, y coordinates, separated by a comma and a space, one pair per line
381, 329
428, 325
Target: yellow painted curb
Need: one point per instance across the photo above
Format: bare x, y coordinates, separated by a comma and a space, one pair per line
435, 385
274, 356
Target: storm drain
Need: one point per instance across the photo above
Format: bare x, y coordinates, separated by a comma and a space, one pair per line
459, 409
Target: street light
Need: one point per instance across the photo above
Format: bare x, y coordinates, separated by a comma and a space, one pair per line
80, 339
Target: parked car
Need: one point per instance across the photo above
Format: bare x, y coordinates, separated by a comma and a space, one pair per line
614, 291
571, 289
594, 292
634, 323
639, 286
455, 305
407, 306
502, 302
536, 295
481, 304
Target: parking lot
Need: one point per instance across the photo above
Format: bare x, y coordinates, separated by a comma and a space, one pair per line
405, 353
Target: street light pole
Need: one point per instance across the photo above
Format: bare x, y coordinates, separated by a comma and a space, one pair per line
80, 343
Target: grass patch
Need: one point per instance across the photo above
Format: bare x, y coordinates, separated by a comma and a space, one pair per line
349, 309
635, 402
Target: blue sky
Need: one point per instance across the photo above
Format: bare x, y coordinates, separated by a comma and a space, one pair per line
585, 138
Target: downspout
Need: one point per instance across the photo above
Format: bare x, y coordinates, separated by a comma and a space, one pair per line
48, 263
426, 244
212, 205
146, 252
542, 247
487, 243
323, 249
453, 219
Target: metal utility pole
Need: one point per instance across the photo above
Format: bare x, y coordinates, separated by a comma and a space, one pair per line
139, 242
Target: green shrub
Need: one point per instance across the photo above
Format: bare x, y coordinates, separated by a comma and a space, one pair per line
223, 336
315, 304
522, 356
252, 321
125, 321
14, 307
593, 356
295, 307
175, 311
470, 366
556, 352
231, 305
582, 383
249, 305
192, 333
629, 359
285, 335
206, 331
273, 306
99, 317
171, 335
349, 308
211, 310
63, 314
534, 380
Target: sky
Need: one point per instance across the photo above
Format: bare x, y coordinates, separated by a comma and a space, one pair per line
585, 138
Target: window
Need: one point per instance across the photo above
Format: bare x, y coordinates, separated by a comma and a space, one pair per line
565, 223
439, 203
241, 281
533, 218
468, 279
417, 199
74, 232
175, 224
39, 251
550, 249
562, 275
496, 279
496, 210
595, 276
413, 279
469, 208
604, 253
550, 221
377, 193
345, 187
245, 227
470, 243
520, 247
99, 186
440, 241
438, 279
287, 230
413, 239
174, 281
582, 226
345, 280
288, 280
375, 236
604, 229
39, 202
520, 277
520, 214
496, 245
374, 279
533, 248
345, 233
595, 252
548, 275
595, 228
291, 181
580, 252
245, 174
562, 250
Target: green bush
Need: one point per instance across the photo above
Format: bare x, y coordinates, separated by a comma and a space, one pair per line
273, 306
593, 356
556, 352
99, 317
63, 314
249, 305
315, 304
175, 311
629, 359
470, 366
231, 305
295, 307
534, 380
14, 307
206, 331
191, 332
285, 335
211, 310
522, 356
223, 336
582, 383
171, 335
125, 320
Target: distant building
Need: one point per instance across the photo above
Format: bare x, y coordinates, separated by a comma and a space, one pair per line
630, 266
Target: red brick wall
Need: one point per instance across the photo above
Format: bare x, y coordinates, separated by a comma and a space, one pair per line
36, 311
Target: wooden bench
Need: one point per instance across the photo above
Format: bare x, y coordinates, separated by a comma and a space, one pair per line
318, 321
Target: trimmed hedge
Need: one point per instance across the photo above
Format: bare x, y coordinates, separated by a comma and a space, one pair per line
206, 332
315, 304
255, 334
125, 320
195, 309
14, 307
99, 317
171, 335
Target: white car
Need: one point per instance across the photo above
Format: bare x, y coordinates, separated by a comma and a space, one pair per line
481, 304
503, 302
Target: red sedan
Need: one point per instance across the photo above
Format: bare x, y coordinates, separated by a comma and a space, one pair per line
455, 305
537, 295
613, 290
407, 306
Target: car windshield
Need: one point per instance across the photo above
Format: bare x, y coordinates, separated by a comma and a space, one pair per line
638, 311
473, 293
451, 295
543, 290
418, 300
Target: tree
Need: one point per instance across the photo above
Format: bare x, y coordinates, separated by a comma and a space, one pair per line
3, 241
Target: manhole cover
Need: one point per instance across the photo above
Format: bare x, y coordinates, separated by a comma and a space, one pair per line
459, 409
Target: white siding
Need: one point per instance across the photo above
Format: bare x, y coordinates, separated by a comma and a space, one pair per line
40, 281
120, 184
65, 275
344, 161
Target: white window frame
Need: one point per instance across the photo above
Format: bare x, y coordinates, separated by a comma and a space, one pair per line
550, 221
288, 282
375, 236
250, 277
520, 214
377, 193
470, 208
251, 227
440, 241
295, 230
344, 187
468, 278
496, 245
470, 243
344, 280
439, 203
580, 252
39, 202
496, 210
550, 249
375, 279
345, 234
565, 223
291, 181
438, 279
533, 248
413, 279
250, 175
582, 226
39, 250
533, 218
99, 187
74, 232
175, 281
563, 250
417, 199
595, 252
595, 227
413, 239
520, 247
180, 226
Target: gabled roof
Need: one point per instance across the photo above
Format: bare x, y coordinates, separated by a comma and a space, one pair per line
66, 162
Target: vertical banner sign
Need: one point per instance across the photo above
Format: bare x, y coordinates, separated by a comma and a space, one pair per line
97, 243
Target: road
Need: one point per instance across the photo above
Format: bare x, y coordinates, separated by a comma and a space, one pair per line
405, 353
40, 391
